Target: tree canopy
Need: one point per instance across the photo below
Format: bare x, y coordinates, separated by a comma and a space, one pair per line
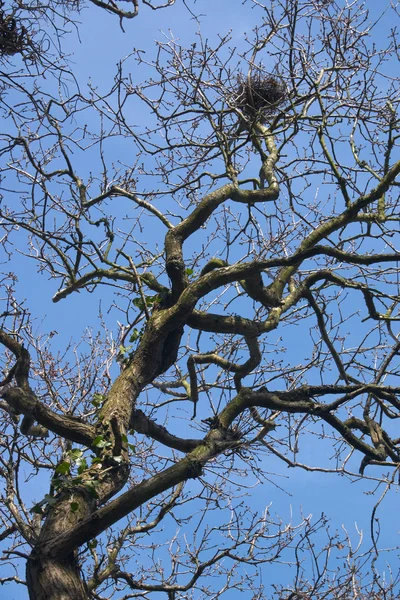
224, 214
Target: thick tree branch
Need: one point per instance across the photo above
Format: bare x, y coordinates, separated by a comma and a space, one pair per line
25, 402
143, 424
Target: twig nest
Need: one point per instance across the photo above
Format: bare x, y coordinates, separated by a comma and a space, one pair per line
13, 38
259, 96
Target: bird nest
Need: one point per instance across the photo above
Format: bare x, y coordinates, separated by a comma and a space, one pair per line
259, 96
13, 39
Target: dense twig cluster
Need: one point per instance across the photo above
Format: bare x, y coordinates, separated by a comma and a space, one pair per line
259, 95
13, 38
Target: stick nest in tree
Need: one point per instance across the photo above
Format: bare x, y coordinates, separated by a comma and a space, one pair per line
13, 39
259, 96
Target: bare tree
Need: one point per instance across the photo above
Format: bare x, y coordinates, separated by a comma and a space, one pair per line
34, 30
255, 207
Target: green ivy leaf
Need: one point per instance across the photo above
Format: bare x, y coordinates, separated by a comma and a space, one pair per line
138, 302
103, 444
63, 468
92, 544
75, 454
77, 481
124, 349
98, 400
135, 335
91, 489
150, 300
82, 466
50, 499
74, 506
189, 271
37, 509
98, 440
59, 482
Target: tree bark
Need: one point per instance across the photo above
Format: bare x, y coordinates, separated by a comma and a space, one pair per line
54, 579
50, 576
55, 575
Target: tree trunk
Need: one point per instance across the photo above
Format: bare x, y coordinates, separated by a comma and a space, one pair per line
58, 578
52, 579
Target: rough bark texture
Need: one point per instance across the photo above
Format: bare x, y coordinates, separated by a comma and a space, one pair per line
52, 574
54, 579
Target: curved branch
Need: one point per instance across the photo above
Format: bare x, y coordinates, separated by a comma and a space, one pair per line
25, 402
216, 442
141, 423
237, 272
